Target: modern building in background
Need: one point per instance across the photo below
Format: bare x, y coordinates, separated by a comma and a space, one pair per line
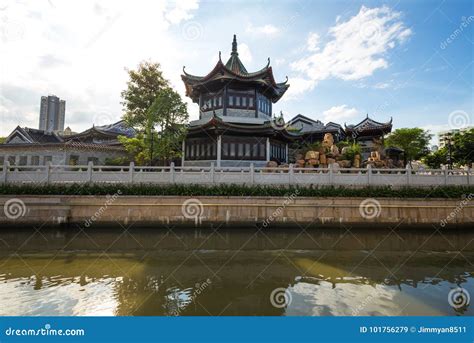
443, 136
52, 113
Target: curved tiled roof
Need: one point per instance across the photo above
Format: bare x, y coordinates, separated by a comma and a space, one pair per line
234, 69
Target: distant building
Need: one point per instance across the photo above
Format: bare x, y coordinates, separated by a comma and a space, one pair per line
444, 135
27, 146
52, 113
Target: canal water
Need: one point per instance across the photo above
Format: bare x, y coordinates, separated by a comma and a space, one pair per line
286, 272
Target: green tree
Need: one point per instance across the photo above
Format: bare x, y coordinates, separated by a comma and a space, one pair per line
158, 114
436, 158
462, 148
414, 142
2, 140
144, 85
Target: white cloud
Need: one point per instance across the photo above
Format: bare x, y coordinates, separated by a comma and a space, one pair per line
357, 47
244, 53
78, 51
267, 29
279, 61
312, 42
297, 87
339, 113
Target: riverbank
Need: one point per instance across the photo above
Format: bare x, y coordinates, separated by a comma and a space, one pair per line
216, 211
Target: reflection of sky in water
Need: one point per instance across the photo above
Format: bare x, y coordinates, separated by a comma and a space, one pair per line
166, 286
97, 298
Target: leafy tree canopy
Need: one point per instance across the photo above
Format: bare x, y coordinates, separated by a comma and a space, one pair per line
414, 142
157, 112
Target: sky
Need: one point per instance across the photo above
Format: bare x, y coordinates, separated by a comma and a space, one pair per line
410, 60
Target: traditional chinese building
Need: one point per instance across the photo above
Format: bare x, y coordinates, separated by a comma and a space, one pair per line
27, 146
235, 126
311, 131
369, 134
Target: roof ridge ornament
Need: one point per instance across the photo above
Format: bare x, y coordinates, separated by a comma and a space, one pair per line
234, 46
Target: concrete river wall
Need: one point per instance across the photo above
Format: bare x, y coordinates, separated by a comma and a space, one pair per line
215, 211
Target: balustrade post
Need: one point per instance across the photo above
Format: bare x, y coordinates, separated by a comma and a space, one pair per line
172, 172
89, 171
468, 171
331, 174
252, 174
369, 174
48, 172
408, 172
6, 166
212, 170
290, 174
131, 171
446, 173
